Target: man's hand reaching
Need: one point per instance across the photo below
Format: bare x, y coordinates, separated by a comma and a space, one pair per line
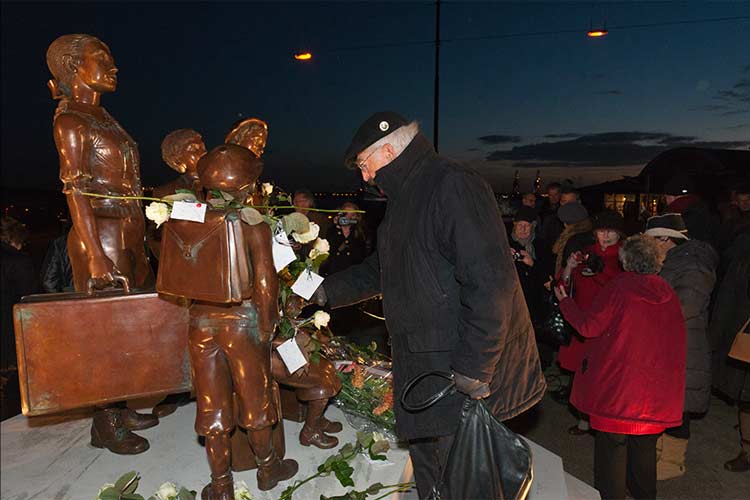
475, 389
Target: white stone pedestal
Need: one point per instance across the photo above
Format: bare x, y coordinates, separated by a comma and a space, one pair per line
50, 458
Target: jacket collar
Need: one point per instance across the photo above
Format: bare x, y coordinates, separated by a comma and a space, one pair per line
392, 177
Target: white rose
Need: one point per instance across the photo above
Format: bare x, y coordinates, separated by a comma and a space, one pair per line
167, 491
157, 212
267, 188
322, 246
309, 236
321, 319
241, 491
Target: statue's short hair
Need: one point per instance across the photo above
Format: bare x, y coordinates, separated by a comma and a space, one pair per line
640, 254
175, 143
63, 55
244, 129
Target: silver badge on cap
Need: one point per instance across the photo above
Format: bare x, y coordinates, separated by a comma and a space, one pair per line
384, 125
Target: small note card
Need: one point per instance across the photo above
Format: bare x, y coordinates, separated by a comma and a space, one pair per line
306, 284
283, 254
291, 355
185, 210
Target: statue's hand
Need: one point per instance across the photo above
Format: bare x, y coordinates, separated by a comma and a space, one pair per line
102, 272
294, 305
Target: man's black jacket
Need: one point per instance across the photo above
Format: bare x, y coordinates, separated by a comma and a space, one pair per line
451, 296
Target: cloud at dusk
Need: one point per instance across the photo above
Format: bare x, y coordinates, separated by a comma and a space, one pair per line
610, 149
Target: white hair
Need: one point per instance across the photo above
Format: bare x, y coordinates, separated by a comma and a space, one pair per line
399, 138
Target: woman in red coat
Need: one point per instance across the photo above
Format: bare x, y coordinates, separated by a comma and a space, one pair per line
601, 265
631, 381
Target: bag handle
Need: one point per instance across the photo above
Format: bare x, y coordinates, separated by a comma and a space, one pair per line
446, 391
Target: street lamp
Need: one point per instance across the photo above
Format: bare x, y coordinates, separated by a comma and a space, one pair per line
303, 56
598, 33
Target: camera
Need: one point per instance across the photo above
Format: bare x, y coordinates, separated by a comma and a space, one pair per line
516, 255
345, 221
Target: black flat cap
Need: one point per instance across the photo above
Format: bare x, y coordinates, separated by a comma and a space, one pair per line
371, 131
525, 213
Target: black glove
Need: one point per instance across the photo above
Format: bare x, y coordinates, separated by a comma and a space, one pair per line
475, 389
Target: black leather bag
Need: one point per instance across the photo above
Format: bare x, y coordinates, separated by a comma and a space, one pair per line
555, 330
486, 460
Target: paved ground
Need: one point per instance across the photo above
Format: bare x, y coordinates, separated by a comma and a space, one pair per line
714, 440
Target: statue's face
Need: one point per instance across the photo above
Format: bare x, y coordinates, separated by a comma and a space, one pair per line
97, 68
257, 142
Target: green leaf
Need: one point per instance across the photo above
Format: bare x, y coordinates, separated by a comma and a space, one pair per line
184, 191
317, 261
315, 357
216, 194
127, 483
226, 195
251, 216
109, 494
181, 197
343, 473
374, 488
347, 449
295, 223
365, 439
152, 498
287, 493
131, 496
185, 494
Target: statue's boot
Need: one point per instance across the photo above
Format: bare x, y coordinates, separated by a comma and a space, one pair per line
220, 488
137, 421
330, 426
109, 431
271, 469
312, 432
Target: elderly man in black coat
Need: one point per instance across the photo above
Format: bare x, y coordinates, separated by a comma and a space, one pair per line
451, 297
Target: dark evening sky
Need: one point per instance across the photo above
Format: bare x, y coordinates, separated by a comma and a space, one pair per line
581, 108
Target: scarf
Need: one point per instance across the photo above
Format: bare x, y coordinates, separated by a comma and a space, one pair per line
528, 243
558, 248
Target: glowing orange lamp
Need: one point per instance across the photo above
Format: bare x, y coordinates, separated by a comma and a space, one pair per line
597, 33
303, 56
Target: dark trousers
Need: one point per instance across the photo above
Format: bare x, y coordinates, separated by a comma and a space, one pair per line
683, 431
623, 461
428, 457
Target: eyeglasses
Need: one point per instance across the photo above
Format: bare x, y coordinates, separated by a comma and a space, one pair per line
362, 164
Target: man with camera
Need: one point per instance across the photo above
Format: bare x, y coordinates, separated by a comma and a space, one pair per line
347, 240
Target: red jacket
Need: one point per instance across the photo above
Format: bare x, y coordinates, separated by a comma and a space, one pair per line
632, 378
585, 288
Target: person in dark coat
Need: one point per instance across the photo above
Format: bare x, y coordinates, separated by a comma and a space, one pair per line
631, 382
451, 297
731, 311
682, 199
17, 280
57, 275
690, 269
527, 250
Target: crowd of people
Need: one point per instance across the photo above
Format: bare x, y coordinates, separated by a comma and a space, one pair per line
654, 306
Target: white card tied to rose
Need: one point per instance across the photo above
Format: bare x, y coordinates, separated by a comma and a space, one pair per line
283, 255
184, 210
291, 355
306, 284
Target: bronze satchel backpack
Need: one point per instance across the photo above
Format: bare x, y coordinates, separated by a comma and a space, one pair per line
206, 261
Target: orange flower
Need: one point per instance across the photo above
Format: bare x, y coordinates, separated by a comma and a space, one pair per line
386, 405
358, 378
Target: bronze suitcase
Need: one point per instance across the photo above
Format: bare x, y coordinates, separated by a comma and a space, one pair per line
76, 350
205, 261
